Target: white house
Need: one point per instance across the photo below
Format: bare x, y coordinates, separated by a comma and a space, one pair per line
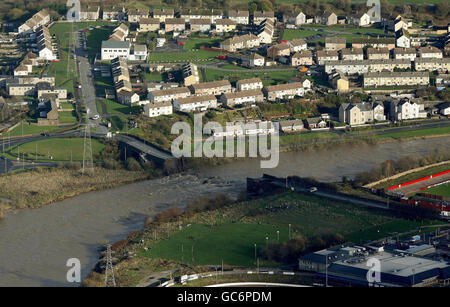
402, 39
249, 84
406, 109
112, 49
158, 108
195, 103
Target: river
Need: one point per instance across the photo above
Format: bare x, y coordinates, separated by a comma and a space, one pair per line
35, 244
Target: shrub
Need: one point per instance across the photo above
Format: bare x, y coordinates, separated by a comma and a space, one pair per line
133, 165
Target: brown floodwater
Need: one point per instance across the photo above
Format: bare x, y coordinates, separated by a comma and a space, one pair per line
35, 244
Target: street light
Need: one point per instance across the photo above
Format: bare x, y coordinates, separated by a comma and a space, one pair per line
278, 236
255, 251
289, 231
267, 242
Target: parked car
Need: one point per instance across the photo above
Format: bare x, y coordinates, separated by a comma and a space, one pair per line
313, 189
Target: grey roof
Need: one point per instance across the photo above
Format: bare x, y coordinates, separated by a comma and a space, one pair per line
115, 44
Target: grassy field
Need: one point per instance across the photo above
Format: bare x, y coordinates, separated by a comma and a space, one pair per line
94, 40
417, 133
442, 190
58, 148
30, 129
230, 233
67, 117
268, 78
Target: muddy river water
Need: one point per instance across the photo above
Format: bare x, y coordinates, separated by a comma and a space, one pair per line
35, 244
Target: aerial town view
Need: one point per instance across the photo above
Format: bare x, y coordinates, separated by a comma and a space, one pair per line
225, 144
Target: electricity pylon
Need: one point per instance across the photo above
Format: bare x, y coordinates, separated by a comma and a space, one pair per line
110, 281
88, 162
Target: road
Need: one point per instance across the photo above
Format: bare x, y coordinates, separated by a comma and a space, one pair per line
85, 73
144, 147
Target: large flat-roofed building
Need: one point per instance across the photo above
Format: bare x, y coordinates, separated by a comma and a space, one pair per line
211, 88
195, 103
397, 269
375, 79
112, 49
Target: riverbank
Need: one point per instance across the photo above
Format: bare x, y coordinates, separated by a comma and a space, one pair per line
39, 187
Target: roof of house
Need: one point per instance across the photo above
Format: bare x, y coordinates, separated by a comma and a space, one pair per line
411, 50
194, 99
283, 87
429, 49
234, 13
148, 20
175, 21
225, 22
200, 21
383, 50
249, 81
163, 12
115, 44
213, 84
159, 104
373, 40
405, 74
303, 54
266, 14
241, 94
348, 51
297, 42
171, 91
326, 53
335, 40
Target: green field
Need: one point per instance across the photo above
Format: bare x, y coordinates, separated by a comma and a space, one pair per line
416, 133
30, 129
188, 56
58, 148
268, 78
94, 40
230, 233
67, 117
442, 190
